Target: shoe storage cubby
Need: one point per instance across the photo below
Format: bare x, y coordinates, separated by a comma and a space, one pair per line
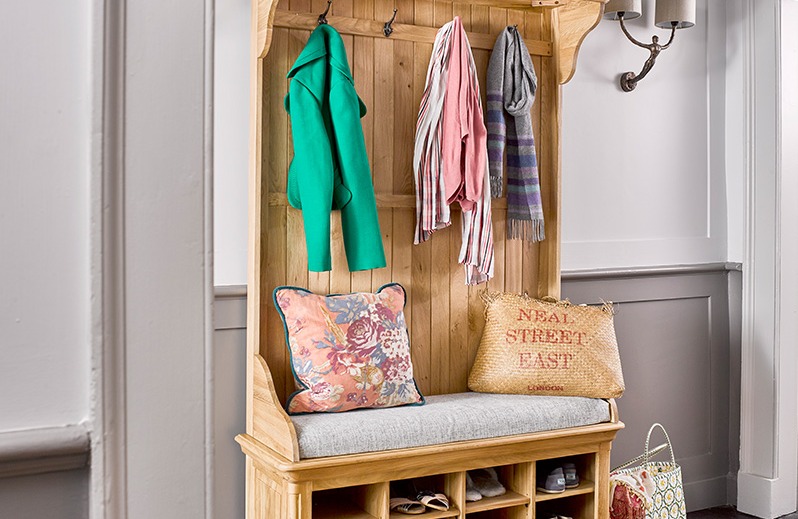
447, 484
361, 493
360, 502
514, 504
523, 498
576, 503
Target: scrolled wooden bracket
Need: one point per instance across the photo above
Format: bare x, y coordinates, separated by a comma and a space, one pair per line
271, 424
263, 12
574, 21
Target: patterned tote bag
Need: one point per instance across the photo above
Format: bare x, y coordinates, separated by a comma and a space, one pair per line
652, 490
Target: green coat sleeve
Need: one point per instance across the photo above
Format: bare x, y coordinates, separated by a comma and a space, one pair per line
361, 227
310, 177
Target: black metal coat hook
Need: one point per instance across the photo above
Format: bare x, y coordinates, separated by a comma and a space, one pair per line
323, 16
387, 29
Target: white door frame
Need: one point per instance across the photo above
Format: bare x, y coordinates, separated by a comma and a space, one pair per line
768, 476
151, 253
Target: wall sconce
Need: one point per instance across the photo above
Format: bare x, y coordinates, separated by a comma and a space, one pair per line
670, 14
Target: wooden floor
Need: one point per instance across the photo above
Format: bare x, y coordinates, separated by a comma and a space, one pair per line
727, 512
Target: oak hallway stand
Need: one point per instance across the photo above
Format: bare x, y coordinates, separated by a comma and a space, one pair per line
445, 317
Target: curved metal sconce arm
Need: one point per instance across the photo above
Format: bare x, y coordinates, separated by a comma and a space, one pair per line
629, 80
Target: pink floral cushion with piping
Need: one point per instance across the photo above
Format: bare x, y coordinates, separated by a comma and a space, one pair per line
348, 351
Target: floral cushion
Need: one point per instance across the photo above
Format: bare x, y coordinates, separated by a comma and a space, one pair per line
348, 351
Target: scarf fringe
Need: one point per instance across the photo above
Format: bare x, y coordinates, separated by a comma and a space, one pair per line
527, 230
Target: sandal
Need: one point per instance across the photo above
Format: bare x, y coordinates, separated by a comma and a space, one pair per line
432, 500
406, 506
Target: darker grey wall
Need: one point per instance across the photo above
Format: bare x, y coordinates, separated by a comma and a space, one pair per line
54, 495
229, 401
679, 337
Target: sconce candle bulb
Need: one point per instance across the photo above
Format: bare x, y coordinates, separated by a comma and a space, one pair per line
670, 14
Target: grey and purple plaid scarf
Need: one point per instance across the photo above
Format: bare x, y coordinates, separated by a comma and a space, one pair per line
511, 90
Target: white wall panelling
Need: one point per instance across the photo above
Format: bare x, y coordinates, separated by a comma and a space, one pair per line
736, 114
231, 140
647, 188
45, 134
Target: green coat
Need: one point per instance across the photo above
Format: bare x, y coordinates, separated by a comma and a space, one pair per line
330, 168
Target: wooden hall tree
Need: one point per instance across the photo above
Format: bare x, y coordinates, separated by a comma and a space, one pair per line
445, 317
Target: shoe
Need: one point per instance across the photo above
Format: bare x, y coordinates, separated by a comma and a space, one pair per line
486, 482
430, 499
555, 482
406, 506
472, 494
571, 477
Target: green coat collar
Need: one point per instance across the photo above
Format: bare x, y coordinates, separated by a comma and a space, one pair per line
324, 46
324, 41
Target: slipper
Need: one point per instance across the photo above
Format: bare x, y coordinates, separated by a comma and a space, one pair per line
406, 506
555, 482
472, 494
486, 482
432, 500
571, 477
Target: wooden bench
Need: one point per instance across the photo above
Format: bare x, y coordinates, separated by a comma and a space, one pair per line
445, 317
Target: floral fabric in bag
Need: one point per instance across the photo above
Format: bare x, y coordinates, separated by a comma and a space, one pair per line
652, 490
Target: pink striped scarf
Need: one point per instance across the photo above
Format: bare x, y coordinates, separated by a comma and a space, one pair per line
436, 140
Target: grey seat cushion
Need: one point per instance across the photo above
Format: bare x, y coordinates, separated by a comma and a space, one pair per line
444, 419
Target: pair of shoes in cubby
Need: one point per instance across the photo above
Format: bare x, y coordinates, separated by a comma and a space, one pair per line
483, 483
559, 479
415, 502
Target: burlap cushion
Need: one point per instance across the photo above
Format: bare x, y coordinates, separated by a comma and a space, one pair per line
534, 347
